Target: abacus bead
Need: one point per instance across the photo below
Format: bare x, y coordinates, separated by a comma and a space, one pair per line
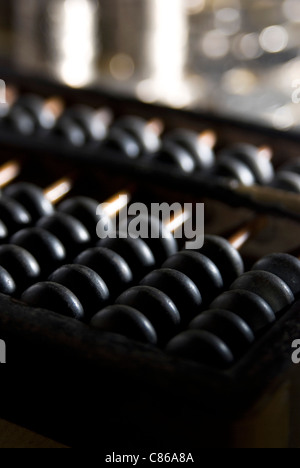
54, 297
86, 117
22, 121
135, 252
227, 166
202, 347
20, 264
7, 284
292, 166
110, 266
44, 246
71, 232
260, 166
137, 128
90, 289
159, 239
156, 306
34, 106
203, 155
288, 181
231, 328
253, 309
13, 215
225, 257
285, 266
180, 288
201, 270
85, 210
119, 140
70, 130
31, 198
3, 232
127, 322
268, 286
177, 156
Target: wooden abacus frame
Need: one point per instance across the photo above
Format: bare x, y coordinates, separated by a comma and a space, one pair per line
77, 386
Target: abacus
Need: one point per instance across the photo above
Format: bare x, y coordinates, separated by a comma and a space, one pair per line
141, 341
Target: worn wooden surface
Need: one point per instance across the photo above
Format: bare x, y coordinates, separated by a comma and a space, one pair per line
13, 436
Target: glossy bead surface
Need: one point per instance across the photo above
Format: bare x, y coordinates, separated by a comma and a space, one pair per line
44, 246
90, 289
231, 328
156, 306
202, 347
225, 257
54, 297
201, 270
71, 232
285, 266
268, 286
135, 252
20, 264
180, 288
253, 309
32, 199
110, 266
127, 322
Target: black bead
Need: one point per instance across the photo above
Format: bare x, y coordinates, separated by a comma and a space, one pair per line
110, 266
225, 257
89, 120
87, 211
135, 252
90, 289
159, 239
7, 284
31, 198
71, 232
44, 246
201, 270
253, 309
229, 167
268, 286
260, 166
20, 264
180, 288
68, 129
292, 166
21, 120
287, 181
54, 297
127, 322
33, 105
137, 128
231, 328
3, 232
285, 266
176, 156
202, 154
13, 215
117, 139
202, 347
156, 306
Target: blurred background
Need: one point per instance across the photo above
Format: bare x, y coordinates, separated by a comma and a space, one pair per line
237, 58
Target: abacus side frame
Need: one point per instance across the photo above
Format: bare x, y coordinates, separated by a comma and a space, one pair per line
62, 378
